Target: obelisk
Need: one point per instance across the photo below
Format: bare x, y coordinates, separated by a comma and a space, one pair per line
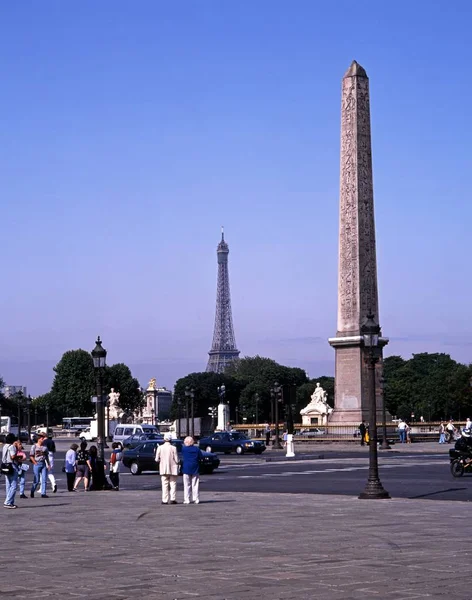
357, 275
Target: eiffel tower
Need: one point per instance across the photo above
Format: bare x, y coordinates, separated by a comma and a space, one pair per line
223, 349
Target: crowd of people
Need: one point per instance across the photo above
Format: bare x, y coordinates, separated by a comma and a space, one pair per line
80, 465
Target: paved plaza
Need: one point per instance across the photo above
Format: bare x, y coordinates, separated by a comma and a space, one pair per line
123, 545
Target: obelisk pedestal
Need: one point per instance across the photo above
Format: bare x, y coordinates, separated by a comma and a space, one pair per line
357, 275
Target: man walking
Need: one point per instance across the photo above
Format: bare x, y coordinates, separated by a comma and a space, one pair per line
166, 456
362, 431
267, 434
402, 431
51, 446
40, 460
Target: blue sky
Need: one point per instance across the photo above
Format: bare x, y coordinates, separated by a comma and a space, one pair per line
132, 131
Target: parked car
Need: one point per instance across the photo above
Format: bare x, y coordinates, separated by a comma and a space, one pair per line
142, 458
138, 438
231, 441
313, 432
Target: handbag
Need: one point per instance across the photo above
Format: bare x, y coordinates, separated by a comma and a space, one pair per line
6, 468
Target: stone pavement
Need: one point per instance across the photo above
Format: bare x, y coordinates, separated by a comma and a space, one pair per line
124, 545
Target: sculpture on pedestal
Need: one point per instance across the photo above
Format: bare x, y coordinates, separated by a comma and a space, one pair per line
318, 408
114, 410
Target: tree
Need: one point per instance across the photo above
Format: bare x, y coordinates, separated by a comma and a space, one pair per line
257, 376
205, 386
119, 378
74, 384
430, 385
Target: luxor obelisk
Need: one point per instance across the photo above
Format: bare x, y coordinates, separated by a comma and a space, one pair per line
357, 276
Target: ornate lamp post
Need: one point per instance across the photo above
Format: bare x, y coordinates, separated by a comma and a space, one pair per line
18, 401
256, 399
190, 393
28, 407
47, 418
154, 410
372, 349
35, 416
276, 393
179, 414
99, 355
384, 445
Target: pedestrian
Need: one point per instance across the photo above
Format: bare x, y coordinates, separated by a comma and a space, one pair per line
51, 446
39, 456
267, 434
442, 433
285, 437
450, 431
23, 467
408, 433
468, 426
166, 456
115, 465
402, 431
83, 466
94, 479
191, 456
10, 462
69, 466
362, 431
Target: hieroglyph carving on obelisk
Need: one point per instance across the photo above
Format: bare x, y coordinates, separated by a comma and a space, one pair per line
357, 276
357, 285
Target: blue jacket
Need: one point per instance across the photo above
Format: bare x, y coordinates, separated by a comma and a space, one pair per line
191, 456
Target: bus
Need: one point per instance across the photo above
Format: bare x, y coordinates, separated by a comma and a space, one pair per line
76, 423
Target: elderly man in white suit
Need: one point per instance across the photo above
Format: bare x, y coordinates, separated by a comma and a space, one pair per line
166, 456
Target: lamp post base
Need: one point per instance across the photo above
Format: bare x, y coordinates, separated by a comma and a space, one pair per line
374, 491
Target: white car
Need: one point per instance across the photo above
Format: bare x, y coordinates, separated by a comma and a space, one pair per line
86, 435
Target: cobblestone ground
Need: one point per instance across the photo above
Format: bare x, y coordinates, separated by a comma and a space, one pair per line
123, 545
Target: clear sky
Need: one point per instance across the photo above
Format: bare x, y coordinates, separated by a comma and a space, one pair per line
131, 131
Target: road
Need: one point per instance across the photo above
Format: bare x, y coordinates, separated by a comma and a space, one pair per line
403, 475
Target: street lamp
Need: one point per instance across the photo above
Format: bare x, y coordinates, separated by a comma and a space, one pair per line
99, 355
256, 399
47, 418
370, 331
190, 393
28, 406
276, 396
179, 404
154, 407
384, 445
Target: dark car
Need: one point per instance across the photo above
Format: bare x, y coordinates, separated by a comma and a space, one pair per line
138, 438
231, 441
142, 458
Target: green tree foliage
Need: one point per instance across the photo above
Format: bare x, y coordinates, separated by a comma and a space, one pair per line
305, 391
119, 378
430, 385
256, 376
74, 384
205, 386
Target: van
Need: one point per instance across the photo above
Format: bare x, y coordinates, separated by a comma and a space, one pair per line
123, 431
